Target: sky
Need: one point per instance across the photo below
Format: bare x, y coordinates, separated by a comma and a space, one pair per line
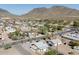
19, 9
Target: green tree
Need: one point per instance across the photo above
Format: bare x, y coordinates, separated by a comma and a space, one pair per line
59, 27
75, 24
43, 30
15, 35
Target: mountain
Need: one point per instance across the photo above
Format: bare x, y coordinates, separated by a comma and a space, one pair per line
37, 12
55, 12
5, 13
51, 12
60, 10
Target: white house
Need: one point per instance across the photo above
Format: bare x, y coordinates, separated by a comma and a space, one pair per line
32, 34
56, 42
40, 46
10, 29
25, 28
72, 36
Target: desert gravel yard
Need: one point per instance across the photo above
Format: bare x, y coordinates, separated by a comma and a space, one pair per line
11, 51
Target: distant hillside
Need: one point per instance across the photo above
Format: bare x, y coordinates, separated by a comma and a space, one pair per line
52, 12
5, 13
56, 12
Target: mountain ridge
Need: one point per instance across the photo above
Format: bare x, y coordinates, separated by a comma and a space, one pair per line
44, 12
52, 11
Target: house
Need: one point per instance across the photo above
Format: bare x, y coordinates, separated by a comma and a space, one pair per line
10, 29
25, 28
40, 46
76, 47
18, 23
7, 18
32, 35
1, 29
56, 42
1, 22
72, 36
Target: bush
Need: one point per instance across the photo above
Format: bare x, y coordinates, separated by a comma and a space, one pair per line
16, 35
51, 52
75, 24
43, 30
71, 53
7, 46
73, 43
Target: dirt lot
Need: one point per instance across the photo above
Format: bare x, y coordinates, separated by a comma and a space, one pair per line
11, 51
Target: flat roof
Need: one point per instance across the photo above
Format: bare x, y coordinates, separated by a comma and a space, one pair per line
74, 36
41, 45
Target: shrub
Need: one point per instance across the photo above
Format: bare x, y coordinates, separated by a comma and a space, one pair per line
73, 43
7, 46
16, 35
51, 52
71, 53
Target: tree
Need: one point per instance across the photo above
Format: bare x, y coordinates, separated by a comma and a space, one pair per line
43, 30
15, 35
73, 43
59, 27
75, 24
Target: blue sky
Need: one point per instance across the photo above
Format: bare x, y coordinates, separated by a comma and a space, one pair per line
20, 9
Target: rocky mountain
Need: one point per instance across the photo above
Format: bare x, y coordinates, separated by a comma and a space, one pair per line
55, 11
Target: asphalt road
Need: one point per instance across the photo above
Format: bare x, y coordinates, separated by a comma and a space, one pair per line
22, 50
